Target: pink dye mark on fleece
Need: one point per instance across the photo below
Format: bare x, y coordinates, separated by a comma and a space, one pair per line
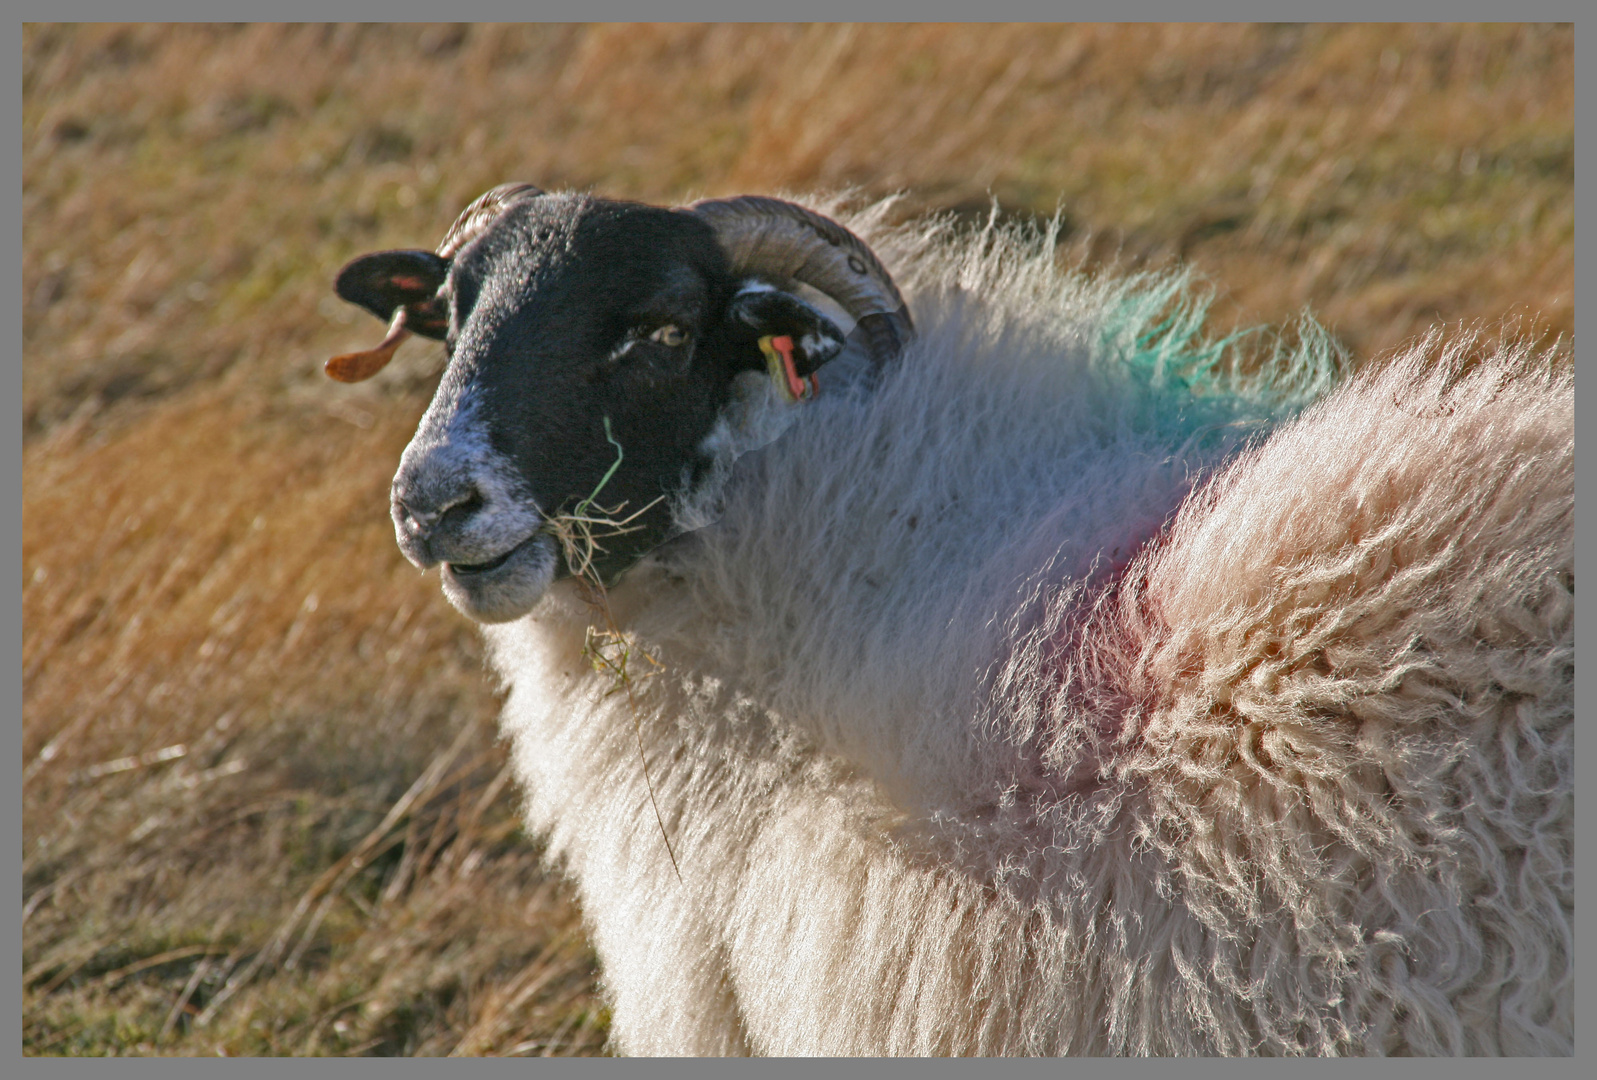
1088, 682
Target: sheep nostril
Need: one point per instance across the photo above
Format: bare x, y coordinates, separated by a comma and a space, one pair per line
420, 516
458, 513
415, 522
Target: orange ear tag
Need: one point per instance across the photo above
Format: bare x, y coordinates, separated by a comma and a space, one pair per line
356, 366
779, 366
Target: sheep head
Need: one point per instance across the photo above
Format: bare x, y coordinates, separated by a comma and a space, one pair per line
593, 346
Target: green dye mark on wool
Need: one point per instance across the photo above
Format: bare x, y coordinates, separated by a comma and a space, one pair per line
1178, 380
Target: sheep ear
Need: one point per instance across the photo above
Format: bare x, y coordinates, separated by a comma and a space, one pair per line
760, 311
387, 280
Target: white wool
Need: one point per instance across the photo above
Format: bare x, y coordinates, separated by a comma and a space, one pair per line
944, 774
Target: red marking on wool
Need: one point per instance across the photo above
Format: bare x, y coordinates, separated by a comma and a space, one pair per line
1091, 666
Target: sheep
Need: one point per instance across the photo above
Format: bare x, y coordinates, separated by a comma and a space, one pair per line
1046, 683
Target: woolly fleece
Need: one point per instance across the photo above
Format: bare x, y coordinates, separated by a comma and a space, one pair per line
1068, 691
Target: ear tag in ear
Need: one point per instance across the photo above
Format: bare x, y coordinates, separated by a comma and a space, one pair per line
357, 366
779, 366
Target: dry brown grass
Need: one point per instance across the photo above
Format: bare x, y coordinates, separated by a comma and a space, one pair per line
262, 785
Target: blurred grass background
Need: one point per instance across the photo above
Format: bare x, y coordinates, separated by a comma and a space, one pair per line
265, 811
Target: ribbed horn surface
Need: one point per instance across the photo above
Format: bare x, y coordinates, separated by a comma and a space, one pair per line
784, 240
481, 214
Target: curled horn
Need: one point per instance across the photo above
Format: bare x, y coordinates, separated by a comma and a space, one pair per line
481, 214
784, 240
484, 209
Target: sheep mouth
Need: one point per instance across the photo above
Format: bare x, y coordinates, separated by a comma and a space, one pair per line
473, 569
505, 587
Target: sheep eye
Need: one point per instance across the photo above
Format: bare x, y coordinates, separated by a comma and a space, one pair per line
669, 334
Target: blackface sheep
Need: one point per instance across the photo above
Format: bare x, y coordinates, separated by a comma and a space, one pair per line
1046, 683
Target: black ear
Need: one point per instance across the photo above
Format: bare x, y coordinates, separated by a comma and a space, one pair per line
386, 280
761, 311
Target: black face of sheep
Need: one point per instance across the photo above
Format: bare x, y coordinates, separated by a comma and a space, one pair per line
593, 345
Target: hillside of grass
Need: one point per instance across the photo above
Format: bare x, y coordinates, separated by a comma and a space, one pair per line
265, 809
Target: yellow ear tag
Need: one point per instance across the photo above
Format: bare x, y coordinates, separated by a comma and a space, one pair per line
779, 366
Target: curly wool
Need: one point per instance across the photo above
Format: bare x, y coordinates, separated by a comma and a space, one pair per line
1069, 692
